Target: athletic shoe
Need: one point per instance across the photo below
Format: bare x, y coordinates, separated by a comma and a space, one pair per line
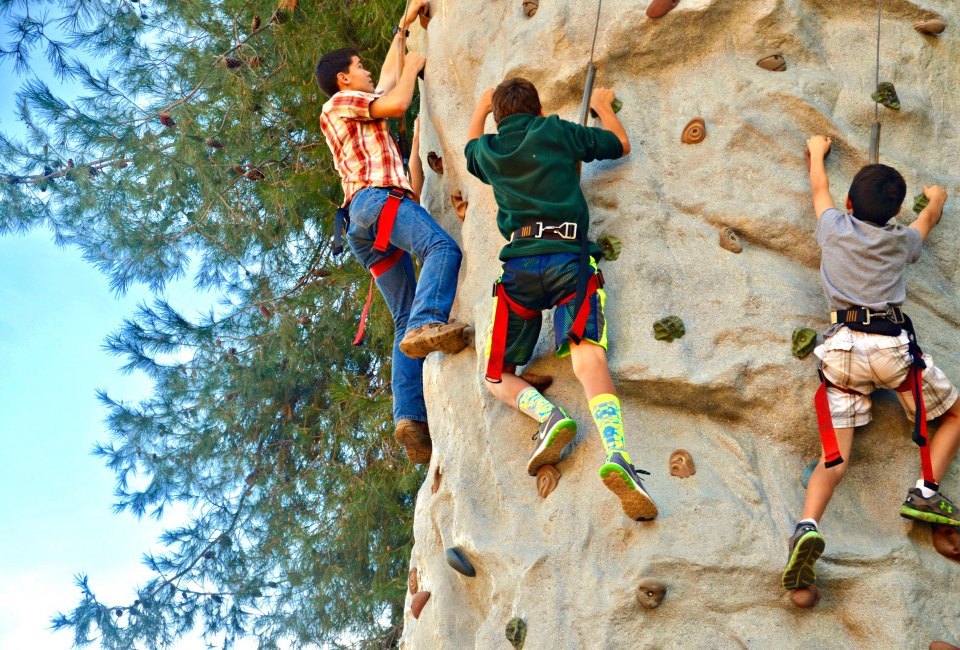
623, 479
415, 438
806, 546
937, 509
435, 337
553, 436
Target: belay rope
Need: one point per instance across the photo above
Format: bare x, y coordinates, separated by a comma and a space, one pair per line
874, 157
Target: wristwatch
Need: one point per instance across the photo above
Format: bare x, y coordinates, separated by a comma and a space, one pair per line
396, 30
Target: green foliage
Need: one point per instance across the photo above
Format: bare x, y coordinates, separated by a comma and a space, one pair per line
196, 140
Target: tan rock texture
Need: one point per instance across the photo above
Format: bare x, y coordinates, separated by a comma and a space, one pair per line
729, 391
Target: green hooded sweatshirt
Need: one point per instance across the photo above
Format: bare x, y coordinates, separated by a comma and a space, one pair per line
531, 163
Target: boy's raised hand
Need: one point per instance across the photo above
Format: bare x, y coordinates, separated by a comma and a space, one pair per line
416, 6
414, 60
935, 194
485, 103
484, 108
818, 146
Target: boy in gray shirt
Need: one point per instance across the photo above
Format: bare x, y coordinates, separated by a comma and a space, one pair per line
861, 269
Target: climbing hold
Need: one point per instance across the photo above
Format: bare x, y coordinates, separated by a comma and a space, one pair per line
681, 464
650, 592
804, 340
426, 14
887, 95
610, 246
946, 539
730, 240
548, 476
694, 132
805, 597
436, 480
412, 585
540, 382
932, 26
773, 62
516, 632
459, 204
942, 645
418, 601
435, 162
616, 105
920, 202
808, 472
469, 336
668, 329
459, 562
530, 7
659, 8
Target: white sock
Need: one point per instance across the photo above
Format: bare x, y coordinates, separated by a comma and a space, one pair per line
924, 490
809, 520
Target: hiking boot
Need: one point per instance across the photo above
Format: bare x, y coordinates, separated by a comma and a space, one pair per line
937, 509
415, 438
435, 337
552, 437
623, 479
806, 546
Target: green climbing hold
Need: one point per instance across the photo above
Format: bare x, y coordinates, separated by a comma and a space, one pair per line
616, 105
517, 632
668, 329
887, 95
610, 246
804, 340
920, 202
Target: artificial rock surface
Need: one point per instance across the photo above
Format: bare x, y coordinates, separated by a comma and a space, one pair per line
729, 391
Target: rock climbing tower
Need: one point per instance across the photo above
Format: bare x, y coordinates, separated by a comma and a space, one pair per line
710, 231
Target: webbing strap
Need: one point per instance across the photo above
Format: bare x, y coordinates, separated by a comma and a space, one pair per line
498, 338
376, 271
583, 313
828, 436
388, 215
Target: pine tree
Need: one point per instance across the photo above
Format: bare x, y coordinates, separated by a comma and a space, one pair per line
196, 140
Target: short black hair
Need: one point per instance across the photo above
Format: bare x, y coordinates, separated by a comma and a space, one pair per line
331, 64
516, 95
877, 193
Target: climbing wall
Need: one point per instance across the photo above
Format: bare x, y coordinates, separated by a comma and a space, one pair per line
729, 392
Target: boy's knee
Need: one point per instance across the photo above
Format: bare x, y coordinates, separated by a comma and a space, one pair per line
585, 357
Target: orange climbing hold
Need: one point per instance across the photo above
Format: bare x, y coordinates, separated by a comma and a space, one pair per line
659, 8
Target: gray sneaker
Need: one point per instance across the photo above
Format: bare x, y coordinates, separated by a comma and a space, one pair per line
806, 547
937, 509
554, 435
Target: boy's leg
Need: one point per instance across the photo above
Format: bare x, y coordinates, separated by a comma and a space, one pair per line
398, 286
945, 441
824, 480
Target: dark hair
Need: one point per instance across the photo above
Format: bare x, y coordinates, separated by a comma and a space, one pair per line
331, 64
516, 95
877, 193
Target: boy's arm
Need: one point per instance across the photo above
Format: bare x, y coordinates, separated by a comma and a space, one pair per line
601, 101
388, 73
930, 216
484, 108
416, 165
818, 146
396, 102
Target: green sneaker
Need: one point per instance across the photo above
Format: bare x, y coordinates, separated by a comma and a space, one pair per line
554, 434
806, 547
623, 479
937, 509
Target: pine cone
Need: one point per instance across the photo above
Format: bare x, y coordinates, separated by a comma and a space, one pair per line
213, 143
166, 119
93, 171
230, 63
255, 24
255, 61
264, 310
254, 174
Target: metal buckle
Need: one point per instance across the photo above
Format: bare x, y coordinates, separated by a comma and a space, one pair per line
564, 230
540, 229
895, 314
867, 322
833, 318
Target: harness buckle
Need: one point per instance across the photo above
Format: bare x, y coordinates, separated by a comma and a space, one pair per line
867, 322
895, 314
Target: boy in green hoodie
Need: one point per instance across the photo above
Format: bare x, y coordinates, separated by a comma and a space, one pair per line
532, 163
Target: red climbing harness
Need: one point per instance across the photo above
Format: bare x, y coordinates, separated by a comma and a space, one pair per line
505, 304
912, 384
385, 221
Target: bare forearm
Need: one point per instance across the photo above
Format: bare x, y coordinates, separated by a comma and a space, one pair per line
396, 102
477, 123
610, 122
388, 73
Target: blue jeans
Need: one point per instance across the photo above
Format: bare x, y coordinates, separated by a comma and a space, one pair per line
412, 304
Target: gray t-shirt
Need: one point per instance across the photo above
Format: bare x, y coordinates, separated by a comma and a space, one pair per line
862, 264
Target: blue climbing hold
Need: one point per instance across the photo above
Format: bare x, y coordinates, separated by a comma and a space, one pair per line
456, 559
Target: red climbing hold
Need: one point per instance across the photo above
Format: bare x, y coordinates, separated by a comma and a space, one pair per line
418, 601
659, 8
805, 597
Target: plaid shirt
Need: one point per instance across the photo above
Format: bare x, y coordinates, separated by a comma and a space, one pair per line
364, 151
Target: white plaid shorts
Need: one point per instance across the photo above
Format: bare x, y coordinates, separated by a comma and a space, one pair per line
863, 363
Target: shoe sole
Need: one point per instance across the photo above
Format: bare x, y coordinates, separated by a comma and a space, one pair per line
800, 572
448, 341
551, 448
636, 503
419, 448
926, 517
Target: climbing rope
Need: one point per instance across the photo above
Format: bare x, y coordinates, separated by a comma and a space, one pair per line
591, 71
875, 129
